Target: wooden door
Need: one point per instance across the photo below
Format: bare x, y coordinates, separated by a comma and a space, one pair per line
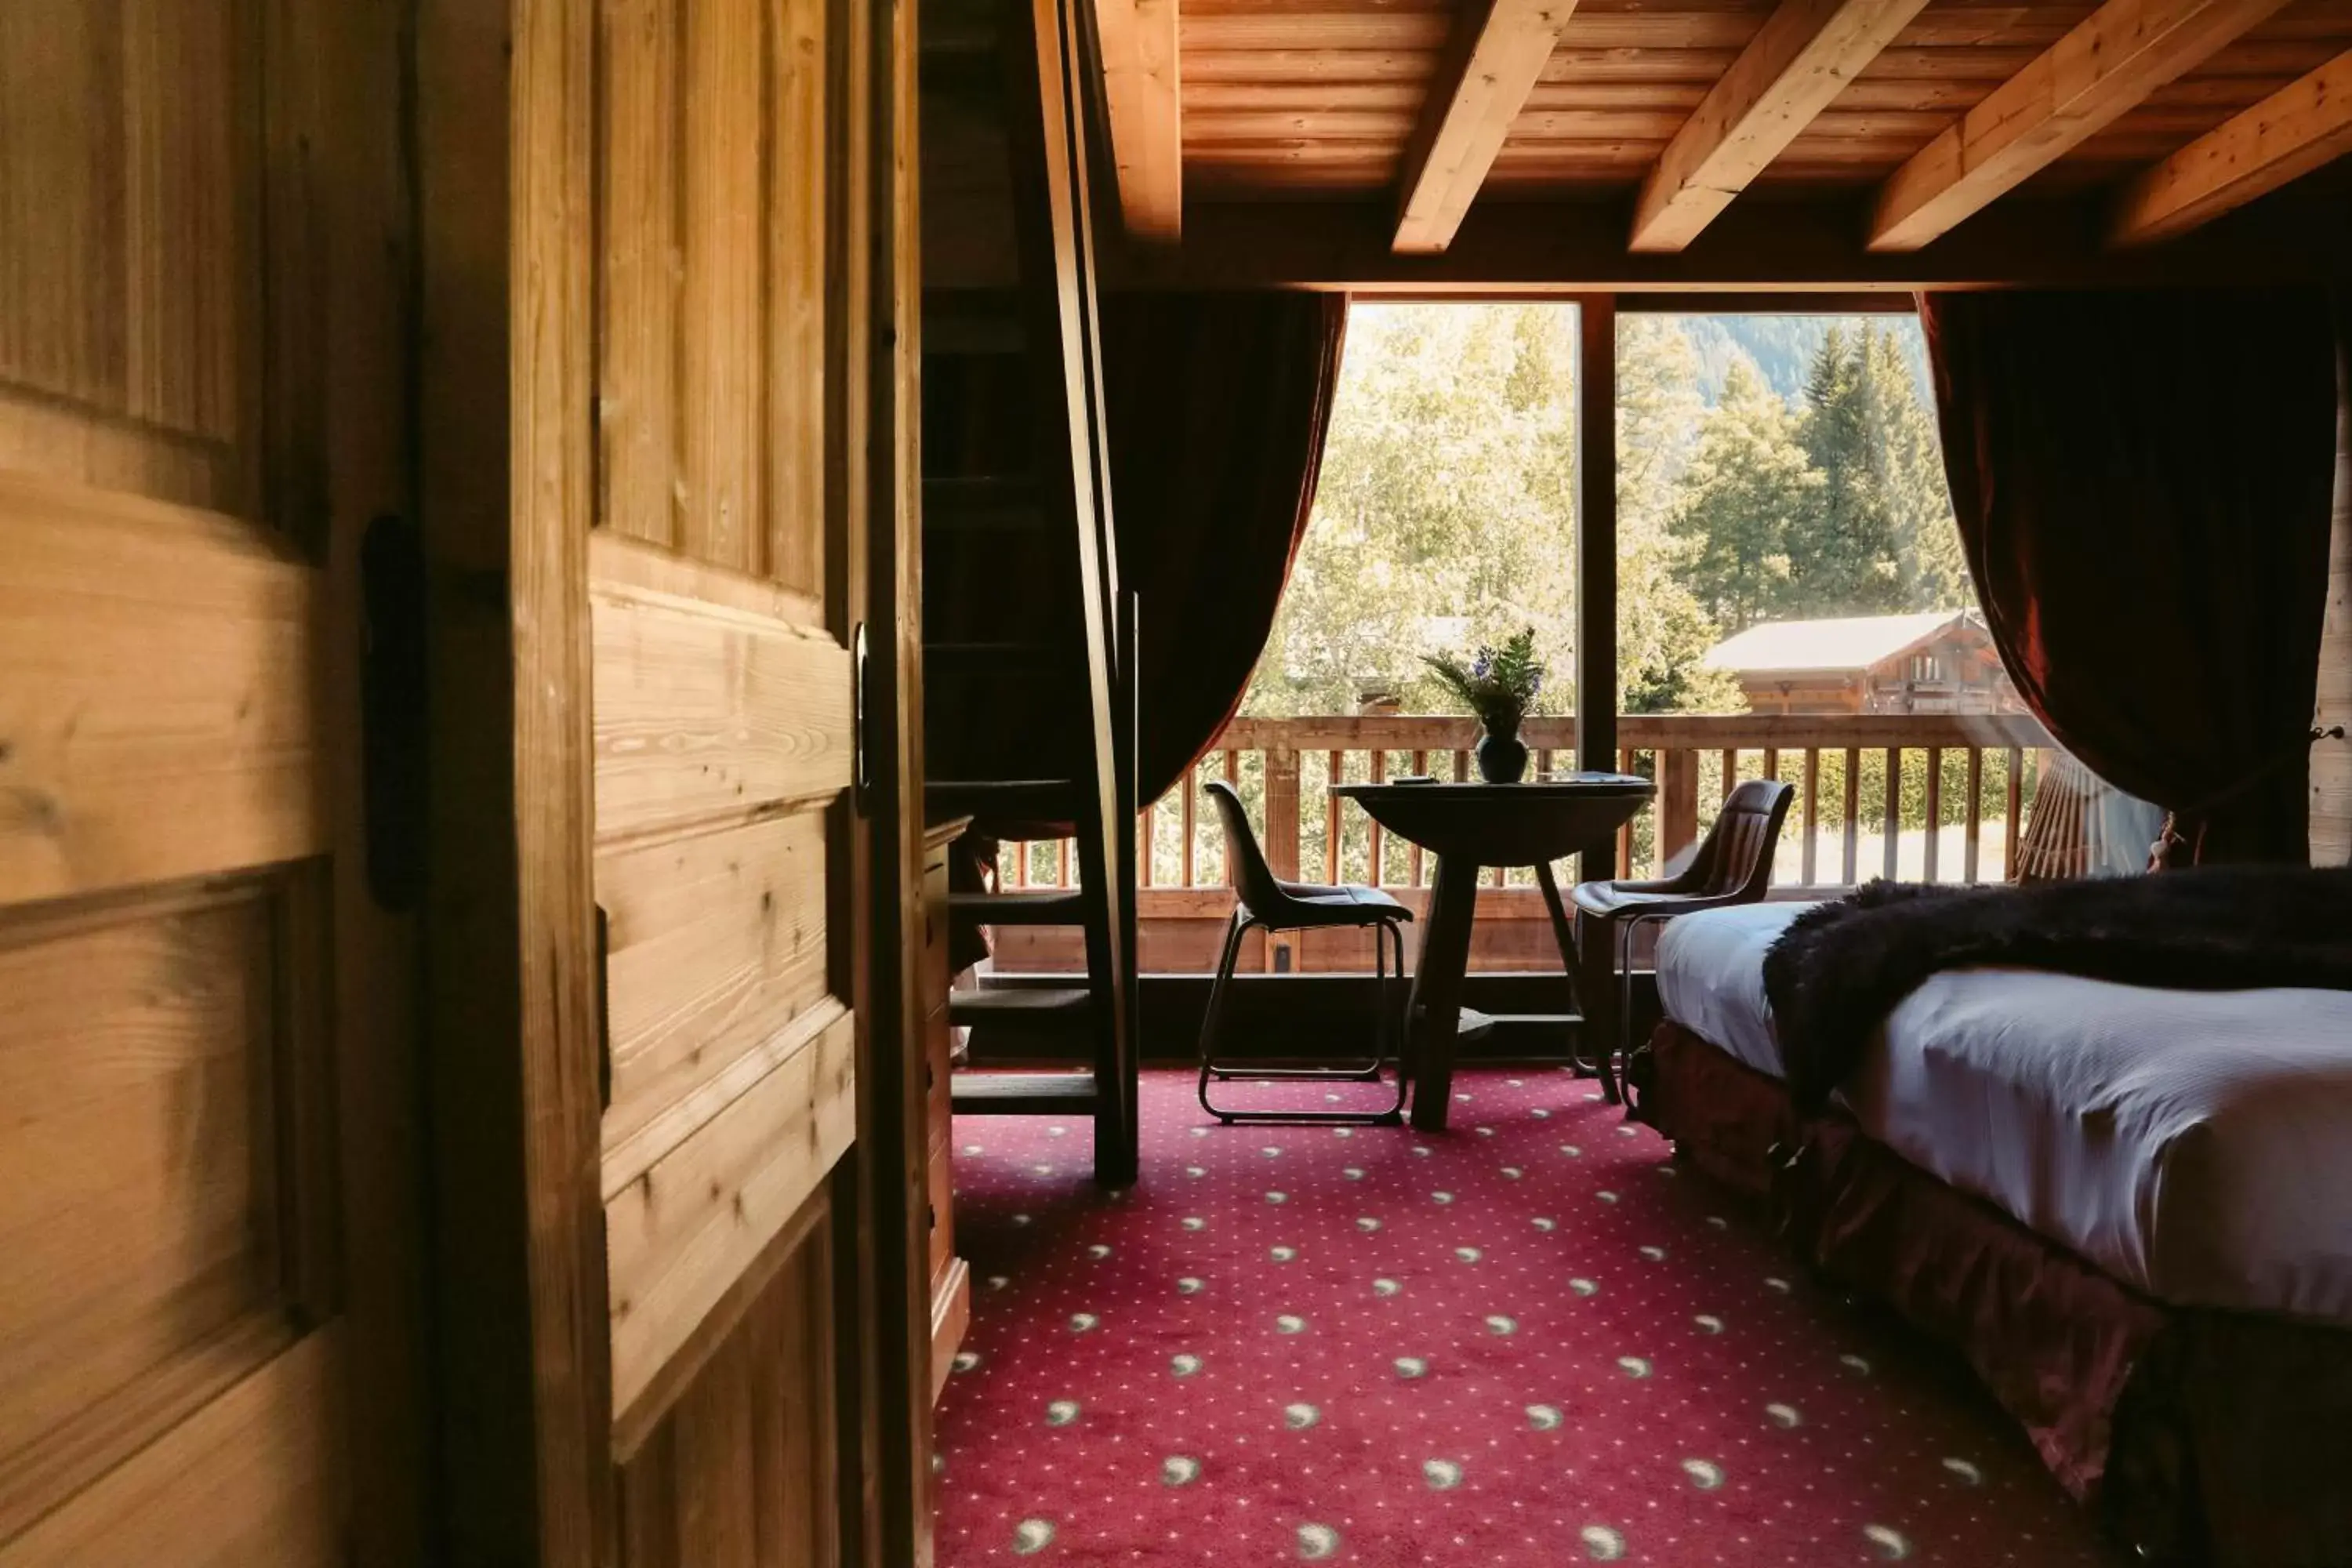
749, 1155
207, 1116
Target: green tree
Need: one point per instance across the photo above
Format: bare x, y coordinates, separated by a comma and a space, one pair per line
1664, 629
1746, 505
1444, 517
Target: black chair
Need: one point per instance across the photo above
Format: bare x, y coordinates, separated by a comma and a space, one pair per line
1733, 866
1269, 903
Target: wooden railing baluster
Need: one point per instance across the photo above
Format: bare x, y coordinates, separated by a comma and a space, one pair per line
1680, 748
1191, 796
1973, 817
1419, 768
1893, 825
1625, 829
2011, 833
1935, 811
1850, 817
1335, 767
1281, 839
1677, 805
1812, 805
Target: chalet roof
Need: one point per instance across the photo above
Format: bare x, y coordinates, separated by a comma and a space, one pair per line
1846, 643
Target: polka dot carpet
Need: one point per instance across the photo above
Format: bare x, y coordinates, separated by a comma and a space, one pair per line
1531, 1339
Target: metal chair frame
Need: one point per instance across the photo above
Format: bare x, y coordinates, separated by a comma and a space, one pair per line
1384, 1025
1706, 883
1258, 887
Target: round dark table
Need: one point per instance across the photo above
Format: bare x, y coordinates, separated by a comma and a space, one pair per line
1470, 826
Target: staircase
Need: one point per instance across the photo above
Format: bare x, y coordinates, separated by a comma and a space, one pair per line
1028, 670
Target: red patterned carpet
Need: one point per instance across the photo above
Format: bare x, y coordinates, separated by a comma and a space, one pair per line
1528, 1341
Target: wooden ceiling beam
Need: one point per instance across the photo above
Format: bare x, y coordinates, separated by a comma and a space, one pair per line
1806, 53
2110, 62
2299, 127
1141, 92
1489, 70
1765, 242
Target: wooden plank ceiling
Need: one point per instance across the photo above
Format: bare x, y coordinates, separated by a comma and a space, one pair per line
1920, 113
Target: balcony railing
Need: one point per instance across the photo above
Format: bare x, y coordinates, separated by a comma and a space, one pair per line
1962, 784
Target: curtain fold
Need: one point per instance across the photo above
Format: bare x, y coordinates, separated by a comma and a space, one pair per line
1217, 407
2142, 482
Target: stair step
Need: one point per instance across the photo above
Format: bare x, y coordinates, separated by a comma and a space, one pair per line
979, 1093
1028, 1007
975, 504
1063, 907
988, 657
1043, 799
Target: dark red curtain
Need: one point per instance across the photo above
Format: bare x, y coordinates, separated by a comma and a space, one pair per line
2142, 481
1217, 407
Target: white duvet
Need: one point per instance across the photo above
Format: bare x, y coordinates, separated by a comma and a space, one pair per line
2195, 1144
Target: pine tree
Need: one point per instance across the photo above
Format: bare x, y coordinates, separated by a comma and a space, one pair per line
1747, 505
1846, 562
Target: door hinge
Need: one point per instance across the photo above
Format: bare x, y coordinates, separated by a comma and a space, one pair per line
392, 729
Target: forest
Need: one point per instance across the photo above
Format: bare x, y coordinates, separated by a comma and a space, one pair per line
1770, 468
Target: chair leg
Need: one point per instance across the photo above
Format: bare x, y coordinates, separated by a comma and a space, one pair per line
1626, 1043
1210, 1068
1214, 1015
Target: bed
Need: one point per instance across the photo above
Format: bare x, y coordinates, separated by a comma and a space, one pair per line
2117, 1201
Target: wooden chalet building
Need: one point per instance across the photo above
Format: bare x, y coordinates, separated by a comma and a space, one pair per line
1934, 662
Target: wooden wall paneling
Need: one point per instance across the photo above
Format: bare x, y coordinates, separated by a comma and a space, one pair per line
1473, 101
2301, 127
1802, 59
2102, 67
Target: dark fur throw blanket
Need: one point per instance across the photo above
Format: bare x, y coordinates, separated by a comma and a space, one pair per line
1840, 969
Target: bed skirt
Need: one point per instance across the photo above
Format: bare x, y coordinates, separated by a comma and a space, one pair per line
2201, 1436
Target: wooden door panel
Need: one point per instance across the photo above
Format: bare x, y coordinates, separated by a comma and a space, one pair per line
723, 741
250, 1479
718, 967
160, 718
682, 1232
741, 1472
156, 1187
196, 202
712, 281
130, 170
707, 711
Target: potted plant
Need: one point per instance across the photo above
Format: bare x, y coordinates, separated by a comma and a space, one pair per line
1500, 686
